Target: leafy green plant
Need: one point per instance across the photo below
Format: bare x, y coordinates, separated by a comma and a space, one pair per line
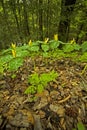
3, 62
34, 47
83, 57
54, 44
22, 53
50, 45
5, 58
45, 54
57, 54
1, 68
45, 47
77, 47
84, 46
7, 61
7, 51
68, 48
39, 82
80, 126
14, 64
71, 47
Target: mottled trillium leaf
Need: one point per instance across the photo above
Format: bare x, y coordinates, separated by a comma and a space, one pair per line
15, 63
84, 46
68, 48
45, 47
54, 45
34, 48
23, 53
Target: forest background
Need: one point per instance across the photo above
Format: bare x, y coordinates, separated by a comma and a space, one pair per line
22, 20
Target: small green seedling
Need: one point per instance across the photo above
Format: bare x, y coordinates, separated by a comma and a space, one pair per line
13, 76
80, 126
37, 83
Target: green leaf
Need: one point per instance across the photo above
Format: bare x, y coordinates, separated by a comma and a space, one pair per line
54, 45
6, 52
40, 88
83, 58
35, 43
68, 47
53, 75
45, 54
80, 126
76, 47
23, 53
6, 58
39, 82
30, 90
84, 46
45, 47
1, 68
24, 47
34, 79
34, 48
45, 78
15, 63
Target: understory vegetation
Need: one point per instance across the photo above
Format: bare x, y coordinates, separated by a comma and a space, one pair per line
12, 58
43, 64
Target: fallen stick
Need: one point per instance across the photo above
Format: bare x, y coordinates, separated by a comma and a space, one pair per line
65, 99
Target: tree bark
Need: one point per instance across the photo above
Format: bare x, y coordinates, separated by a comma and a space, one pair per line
5, 19
47, 22
67, 7
26, 24
40, 20
13, 8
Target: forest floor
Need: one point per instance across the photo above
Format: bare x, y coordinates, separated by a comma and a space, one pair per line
60, 106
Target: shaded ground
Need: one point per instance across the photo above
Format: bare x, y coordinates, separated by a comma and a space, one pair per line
60, 107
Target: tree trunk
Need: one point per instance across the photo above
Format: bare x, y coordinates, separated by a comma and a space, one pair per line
40, 20
78, 40
26, 24
5, 14
5, 19
13, 8
47, 22
67, 7
82, 28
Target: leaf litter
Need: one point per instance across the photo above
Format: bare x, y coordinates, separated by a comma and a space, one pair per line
61, 105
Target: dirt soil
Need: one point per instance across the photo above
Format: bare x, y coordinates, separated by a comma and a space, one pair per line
59, 107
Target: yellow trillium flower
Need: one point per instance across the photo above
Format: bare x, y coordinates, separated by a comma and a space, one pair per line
30, 42
56, 37
46, 40
13, 50
73, 41
13, 46
14, 53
